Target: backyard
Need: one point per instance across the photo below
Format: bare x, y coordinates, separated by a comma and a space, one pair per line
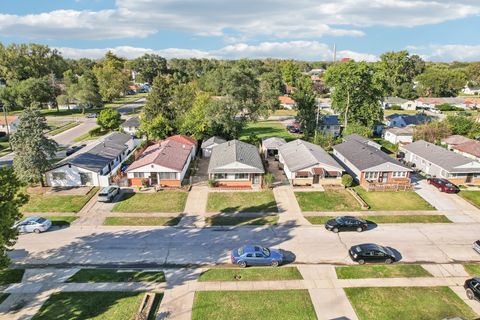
162, 201
393, 201
39, 202
265, 129
255, 201
329, 200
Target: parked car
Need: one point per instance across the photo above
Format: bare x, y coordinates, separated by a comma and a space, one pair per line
476, 246
74, 149
472, 288
443, 185
251, 255
107, 194
346, 223
91, 115
370, 252
33, 224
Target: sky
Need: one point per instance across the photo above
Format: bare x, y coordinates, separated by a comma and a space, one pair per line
437, 30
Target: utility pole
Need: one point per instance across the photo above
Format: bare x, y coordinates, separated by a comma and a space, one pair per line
316, 121
334, 52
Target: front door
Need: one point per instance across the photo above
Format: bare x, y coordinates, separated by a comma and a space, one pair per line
469, 178
153, 178
316, 178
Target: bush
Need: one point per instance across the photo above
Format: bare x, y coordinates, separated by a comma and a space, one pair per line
347, 180
395, 107
446, 107
95, 132
212, 183
268, 178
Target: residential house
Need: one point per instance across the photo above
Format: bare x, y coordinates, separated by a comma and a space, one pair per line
270, 146
471, 90
469, 149
440, 162
454, 140
305, 163
372, 168
432, 103
186, 141
208, 145
163, 164
94, 165
399, 135
361, 139
287, 102
9, 124
330, 125
131, 126
389, 102
402, 120
236, 164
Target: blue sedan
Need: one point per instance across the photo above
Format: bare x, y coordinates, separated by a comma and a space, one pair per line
251, 255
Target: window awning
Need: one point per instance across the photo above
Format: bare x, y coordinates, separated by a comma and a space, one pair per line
302, 174
319, 171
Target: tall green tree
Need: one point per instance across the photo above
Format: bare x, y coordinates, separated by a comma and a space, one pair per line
148, 66
157, 128
307, 108
86, 91
109, 119
32, 148
11, 199
159, 99
441, 82
291, 72
270, 88
356, 92
196, 121
112, 77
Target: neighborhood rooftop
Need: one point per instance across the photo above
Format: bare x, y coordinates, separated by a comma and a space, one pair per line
133, 122
212, 140
235, 157
273, 143
300, 154
401, 131
330, 120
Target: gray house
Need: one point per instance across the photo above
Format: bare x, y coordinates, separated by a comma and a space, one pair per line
270, 146
439, 162
131, 125
330, 125
208, 145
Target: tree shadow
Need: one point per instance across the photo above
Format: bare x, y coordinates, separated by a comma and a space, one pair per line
268, 207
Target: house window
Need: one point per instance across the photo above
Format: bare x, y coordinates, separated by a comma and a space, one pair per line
220, 176
168, 175
241, 176
371, 175
138, 175
401, 174
85, 178
59, 175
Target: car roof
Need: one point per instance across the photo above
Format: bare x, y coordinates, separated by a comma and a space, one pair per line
251, 248
31, 219
371, 246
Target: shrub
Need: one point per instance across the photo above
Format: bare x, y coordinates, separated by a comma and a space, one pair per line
268, 178
212, 183
347, 180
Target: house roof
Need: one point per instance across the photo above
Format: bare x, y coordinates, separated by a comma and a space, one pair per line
167, 153
471, 147
455, 139
183, 139
286, 100
10, 119
364, 157
394, 100
212, 140
437, 101
405, 131
330, 120
273, 142
131, 122
235, 157
361, 139
409, 119
300, 154
448, 160
98, 155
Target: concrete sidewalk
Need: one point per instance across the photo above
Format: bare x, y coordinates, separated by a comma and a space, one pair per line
290, 212
195, 207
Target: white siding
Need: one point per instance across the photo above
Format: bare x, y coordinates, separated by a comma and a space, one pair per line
72, 177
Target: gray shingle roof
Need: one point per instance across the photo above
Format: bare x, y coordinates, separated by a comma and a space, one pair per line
299, 154
133, 122
212, 140
419, 118
448, 160
235, 157
361, 139
364, 156
273, 142
394, 100
330, 120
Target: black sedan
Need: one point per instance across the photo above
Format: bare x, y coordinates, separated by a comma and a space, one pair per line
370, 252
472, 288
346, 223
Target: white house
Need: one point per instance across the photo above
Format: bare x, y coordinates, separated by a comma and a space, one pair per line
131, 126
404, 104
330, 125
287, 102
208, 145
399, 135
95, 164
9, 124
471, 90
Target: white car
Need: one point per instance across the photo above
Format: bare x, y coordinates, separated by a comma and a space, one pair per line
33, 224
476, 246
107, 194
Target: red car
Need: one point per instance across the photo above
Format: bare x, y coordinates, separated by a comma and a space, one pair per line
443, 185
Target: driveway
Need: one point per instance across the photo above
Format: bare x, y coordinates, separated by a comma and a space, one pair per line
132, 106
442, 201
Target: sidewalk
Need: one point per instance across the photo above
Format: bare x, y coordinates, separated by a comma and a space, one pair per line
288, 208
195, 207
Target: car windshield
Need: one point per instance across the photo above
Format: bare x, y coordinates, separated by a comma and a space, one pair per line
41, 220
448, 184
358, 249
103, 194
266, 252
340, 220
240, 251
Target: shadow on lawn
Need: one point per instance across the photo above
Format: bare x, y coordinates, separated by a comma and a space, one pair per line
265, 207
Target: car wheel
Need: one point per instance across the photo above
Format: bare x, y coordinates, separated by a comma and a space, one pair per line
335, 230
274, 263
242, 264
388, 261
359, 229
470, 294
36, 231
361, 261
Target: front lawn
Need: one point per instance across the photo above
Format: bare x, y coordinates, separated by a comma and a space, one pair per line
251, 274
114, 275
57, 203
61, 221
381, 271
162, 201
141, 221
329, 200
266, 129
471, 196
63, 128
394, 201
472, 269
114, 305
413, 303
261, 201
241, 221
265, 305
9, 276
411, 218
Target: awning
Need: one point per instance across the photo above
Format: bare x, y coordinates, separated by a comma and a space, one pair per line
302, 174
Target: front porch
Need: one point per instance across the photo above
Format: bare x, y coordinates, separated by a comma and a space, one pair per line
316, 177
236, 180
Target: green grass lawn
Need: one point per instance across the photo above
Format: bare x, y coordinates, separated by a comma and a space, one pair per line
330, 200
251, 274
394, 201
162, 201
238, 221
414, 218
389, 112
265, 129
265, 305
63, 128
141, 221
114, 305
3, 296
471, 196
124, 100
95, 133
473, 269
113, 275
8, 276
261, 201
54, 203
413, 303
381, 271
61, 221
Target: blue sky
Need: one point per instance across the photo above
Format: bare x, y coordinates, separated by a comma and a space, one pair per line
438, 30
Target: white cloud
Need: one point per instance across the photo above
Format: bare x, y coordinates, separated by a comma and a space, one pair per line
447, 52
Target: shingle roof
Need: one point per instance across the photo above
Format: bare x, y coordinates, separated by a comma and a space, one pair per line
98, 155
364, 156
361, 139
471, 147
167, 153
448, 160
183, 139
10, 119
330, 120
394, 100
133, 122
405, 131
273, 142
419, 118
235, 157
300, 154
286, 100
455, 139
212, 140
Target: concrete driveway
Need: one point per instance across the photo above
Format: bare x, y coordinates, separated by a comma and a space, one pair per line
441, 200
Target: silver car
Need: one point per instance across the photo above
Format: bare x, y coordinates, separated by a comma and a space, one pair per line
107, 194
33, 224
476, 246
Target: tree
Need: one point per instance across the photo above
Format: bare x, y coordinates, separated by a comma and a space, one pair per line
86, 91
33, 92
306, 105
11, 199
441, 82
347, 180
196, 122
357, 91
109, 119
157, 129
270, 88
326, 141
432, 132
32, 148
159, 100
148, 66
291, 72
112, 77
358, 129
